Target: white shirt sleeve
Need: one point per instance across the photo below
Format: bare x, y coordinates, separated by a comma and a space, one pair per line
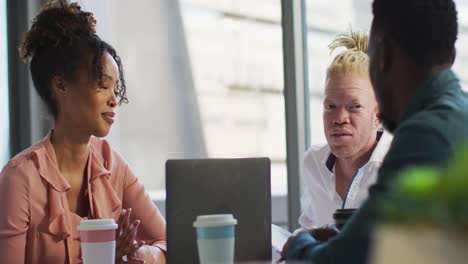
306, 220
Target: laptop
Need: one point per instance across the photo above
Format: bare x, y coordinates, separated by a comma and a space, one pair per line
240, 187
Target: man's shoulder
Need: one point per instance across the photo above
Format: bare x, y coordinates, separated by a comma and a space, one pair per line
418, 134
447, 114
441, 120
427, 138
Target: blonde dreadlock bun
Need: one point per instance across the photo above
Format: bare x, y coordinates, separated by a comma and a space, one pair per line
354, 60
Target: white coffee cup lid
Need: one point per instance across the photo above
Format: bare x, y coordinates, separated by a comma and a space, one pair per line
214, 220
97, 224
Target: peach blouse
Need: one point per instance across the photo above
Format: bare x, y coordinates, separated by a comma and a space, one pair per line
36, 225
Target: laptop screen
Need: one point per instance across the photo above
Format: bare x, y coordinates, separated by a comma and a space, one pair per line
240, 187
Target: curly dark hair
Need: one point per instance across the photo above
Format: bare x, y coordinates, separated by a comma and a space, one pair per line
425, 29
61, 42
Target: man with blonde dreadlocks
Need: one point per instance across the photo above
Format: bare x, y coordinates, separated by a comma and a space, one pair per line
338, 174
421, 101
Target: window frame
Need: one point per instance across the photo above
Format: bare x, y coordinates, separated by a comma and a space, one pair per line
296, 100
28, 116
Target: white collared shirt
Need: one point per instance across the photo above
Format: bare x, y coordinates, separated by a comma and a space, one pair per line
319, 198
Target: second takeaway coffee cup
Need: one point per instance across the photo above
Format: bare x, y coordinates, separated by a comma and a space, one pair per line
215, 238
98, 241
341, 216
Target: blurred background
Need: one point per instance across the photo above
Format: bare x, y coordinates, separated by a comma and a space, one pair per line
205, 78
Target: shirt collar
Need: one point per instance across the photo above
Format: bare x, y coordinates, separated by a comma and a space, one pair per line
46, 163
430, 90
330, 163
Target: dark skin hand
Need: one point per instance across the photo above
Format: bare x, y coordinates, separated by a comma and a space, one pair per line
323, 233
126, 243
320, 234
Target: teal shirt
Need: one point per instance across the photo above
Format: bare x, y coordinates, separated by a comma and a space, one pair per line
435, 123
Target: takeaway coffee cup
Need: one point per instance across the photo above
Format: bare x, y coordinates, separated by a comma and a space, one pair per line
215, 238
98, 241
341, 216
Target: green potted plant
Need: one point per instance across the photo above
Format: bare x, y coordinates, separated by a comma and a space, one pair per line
426, 216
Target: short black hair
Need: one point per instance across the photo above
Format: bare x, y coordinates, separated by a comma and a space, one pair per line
62, 41
426, 30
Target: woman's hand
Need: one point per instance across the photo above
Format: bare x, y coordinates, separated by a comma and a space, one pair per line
126, 243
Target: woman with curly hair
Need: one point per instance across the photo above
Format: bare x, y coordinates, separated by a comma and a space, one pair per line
74, 174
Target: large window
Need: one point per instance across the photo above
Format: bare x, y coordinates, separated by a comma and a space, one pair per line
4, 119
235, 50
204, 78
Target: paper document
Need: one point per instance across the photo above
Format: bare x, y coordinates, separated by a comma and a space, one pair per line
279, 236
